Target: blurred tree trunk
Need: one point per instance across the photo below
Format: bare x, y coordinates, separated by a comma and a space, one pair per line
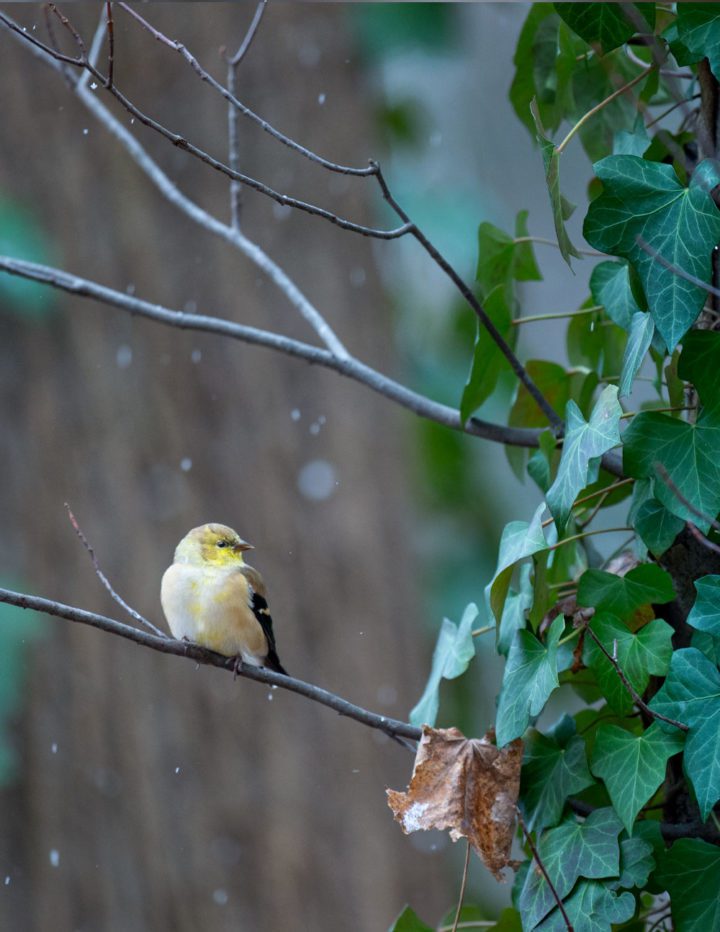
153, 795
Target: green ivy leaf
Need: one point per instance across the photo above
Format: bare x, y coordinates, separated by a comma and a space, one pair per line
636, 863
593, 907
553, 381
631, 143
584, 441
610, 286
508, 921
623, 595
529, 678
593, 341
645, 200
689, 452
691, 694
454, 650
642, 329
562, 209
488, 361
540, 464
657, 527
514, 616
639, 656
633, 766
700, 364
501, 260
537, 45
698, 26
568, 852
553, 769
705, 613
606, 24
675, 385
690, 872
707, 644
519, 540
408, 921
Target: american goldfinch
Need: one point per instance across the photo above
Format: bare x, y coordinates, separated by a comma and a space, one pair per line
212, 597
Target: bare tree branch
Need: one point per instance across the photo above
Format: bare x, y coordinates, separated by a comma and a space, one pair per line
408, 226
202, 218
167, 645
347, 365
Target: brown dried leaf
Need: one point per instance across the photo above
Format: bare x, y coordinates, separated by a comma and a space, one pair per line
466, 785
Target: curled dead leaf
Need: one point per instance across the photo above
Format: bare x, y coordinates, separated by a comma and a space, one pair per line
466, 785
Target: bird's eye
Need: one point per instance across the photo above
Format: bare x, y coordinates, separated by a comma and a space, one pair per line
222, 543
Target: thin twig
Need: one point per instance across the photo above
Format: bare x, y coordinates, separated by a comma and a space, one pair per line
462, 888
484, 630
249, 35
233, 63
106, 582
94, 53
543, 870
166, 645
637, 699
665, 476
701, 538
678, 103
233, 153
245, 111
176, 139
111, 45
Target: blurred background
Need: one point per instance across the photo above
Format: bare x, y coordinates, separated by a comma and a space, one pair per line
136, 790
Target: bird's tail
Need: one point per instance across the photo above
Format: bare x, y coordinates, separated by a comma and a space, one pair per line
272, 662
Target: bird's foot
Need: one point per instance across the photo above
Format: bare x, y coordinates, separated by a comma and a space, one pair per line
236, 666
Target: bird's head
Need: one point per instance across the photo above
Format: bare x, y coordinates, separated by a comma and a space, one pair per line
212, 545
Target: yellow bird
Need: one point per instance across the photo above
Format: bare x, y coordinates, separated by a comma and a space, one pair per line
212, 597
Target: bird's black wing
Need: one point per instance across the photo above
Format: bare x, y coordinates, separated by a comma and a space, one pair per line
260, 610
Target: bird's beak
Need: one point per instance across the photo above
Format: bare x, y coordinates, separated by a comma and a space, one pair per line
243, 545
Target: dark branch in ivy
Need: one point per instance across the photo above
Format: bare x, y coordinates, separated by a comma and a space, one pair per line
543, 871
637, 699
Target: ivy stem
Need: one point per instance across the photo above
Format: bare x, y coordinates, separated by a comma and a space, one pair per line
462, 888
569, 637
601, 530
478, 631
586, 498
545, 241
660, 410
603, 103
559, 316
